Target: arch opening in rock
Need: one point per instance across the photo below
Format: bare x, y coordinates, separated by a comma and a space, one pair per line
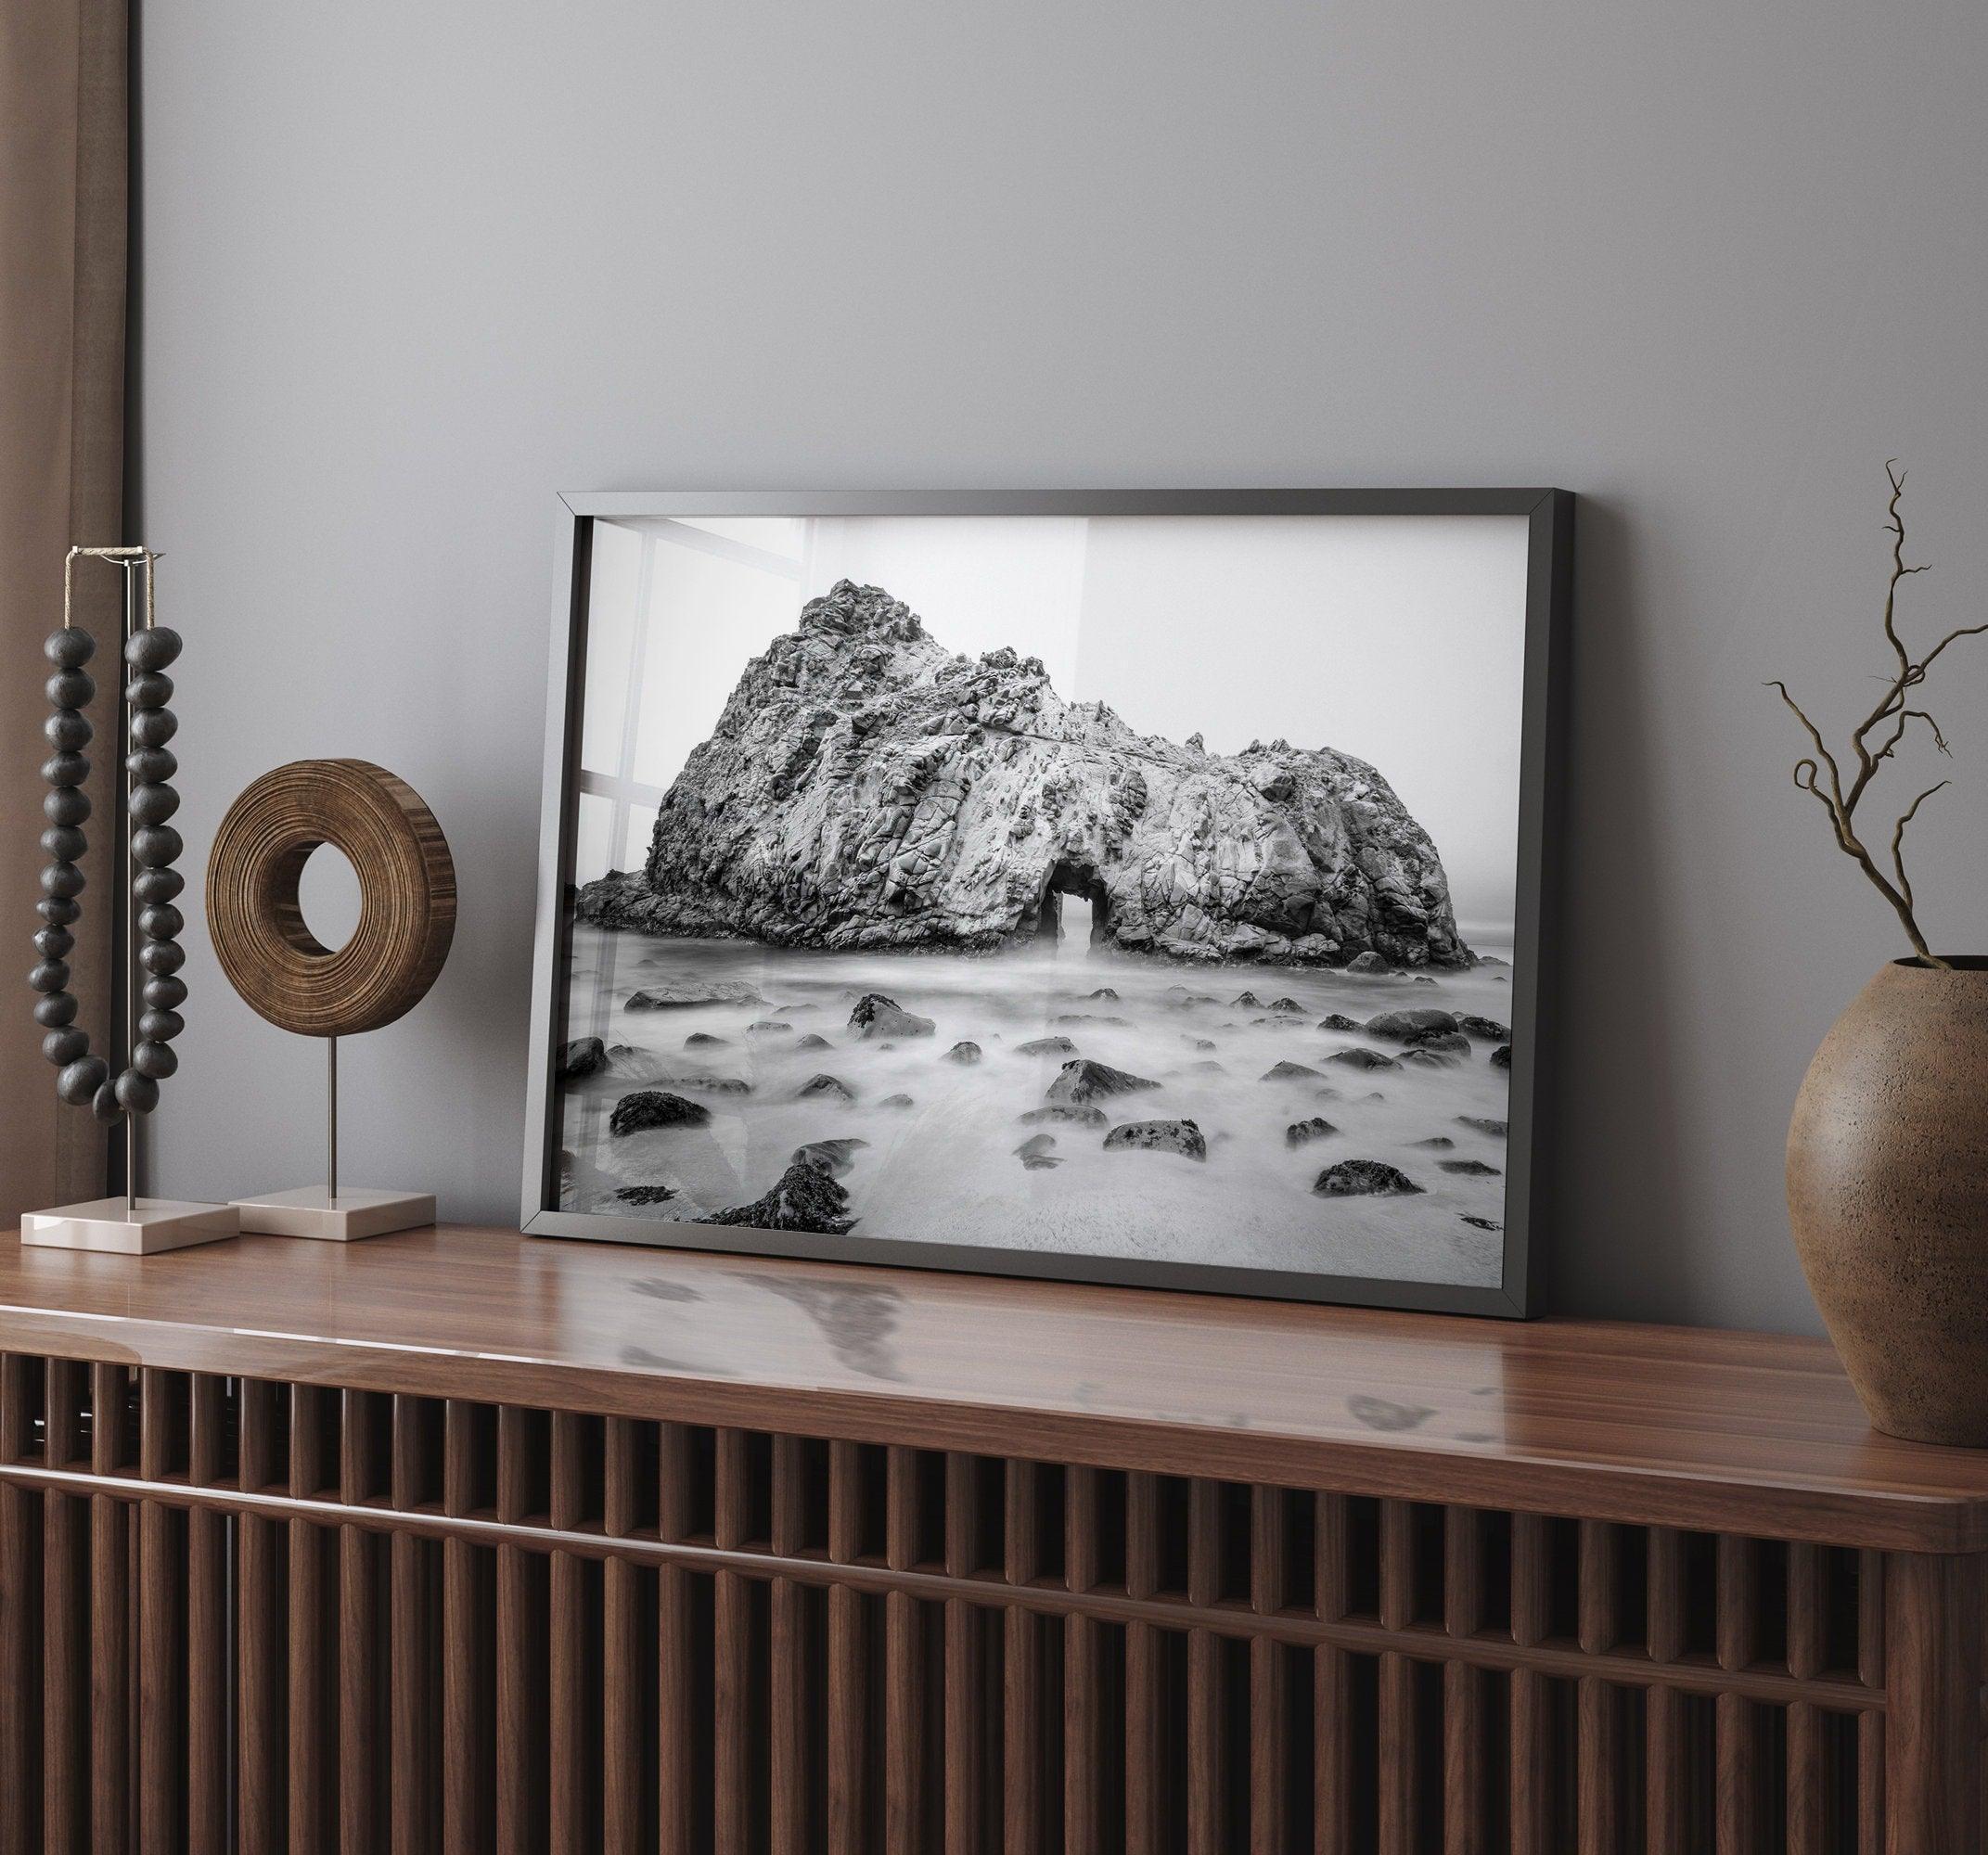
1073, 907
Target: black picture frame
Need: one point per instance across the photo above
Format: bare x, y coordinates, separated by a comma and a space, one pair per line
1549, 514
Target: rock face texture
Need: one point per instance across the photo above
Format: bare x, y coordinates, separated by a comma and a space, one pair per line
867, 788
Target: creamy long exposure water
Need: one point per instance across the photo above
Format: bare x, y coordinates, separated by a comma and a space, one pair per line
944, 1169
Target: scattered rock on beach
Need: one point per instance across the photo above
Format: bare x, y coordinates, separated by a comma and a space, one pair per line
807, 1197
1400, 1027
1444, 1043
652, 1107
1436, 1143
812, 1041
1468, 1168
897, 1101
1045, 1047
1368, 962
1290, 1072
1483, 1123
824, 1088
1036, 1155
1158, 1136
1357, 1058
877, 1016
1066, 1112
1338, 1020
686, 998
701, 1040
644, 1195
1489, 1029
1303, 1132
964, 1052
834, 1156
1083, 1080
1364, 1178
583, 1057
1501, 1058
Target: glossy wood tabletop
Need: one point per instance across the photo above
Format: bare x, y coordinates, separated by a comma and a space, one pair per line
1738, 1432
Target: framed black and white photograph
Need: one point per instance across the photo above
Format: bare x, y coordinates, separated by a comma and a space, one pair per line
1140, 887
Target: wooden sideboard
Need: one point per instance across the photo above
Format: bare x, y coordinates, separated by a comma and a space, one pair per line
459, 1540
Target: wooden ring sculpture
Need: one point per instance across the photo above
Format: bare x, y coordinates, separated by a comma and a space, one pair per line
406, 889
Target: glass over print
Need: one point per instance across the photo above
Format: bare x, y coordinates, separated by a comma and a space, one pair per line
1129, 895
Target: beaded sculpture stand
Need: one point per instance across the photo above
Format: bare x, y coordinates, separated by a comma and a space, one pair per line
154, 992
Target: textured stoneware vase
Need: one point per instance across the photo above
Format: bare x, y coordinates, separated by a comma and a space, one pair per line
1888, 1194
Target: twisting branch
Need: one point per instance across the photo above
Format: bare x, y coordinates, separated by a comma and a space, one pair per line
1821, 775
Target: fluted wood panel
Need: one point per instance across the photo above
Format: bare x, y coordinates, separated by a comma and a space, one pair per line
261, 1616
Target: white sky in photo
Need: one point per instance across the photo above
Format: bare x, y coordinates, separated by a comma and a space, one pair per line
1399, 639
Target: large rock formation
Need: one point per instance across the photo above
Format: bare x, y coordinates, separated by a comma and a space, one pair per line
866, 789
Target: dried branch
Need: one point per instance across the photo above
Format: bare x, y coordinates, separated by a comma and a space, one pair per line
1892, 714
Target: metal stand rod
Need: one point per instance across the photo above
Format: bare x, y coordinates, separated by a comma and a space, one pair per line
133, 984
331, 1121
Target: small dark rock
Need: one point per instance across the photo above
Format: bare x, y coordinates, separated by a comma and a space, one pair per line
1198, 1042
824, 1088
1103, 992
699, 1040
1436, 1143
1083, 1080
1045, 1047
1483, 1224
1085, 1018
1287, 1004
1501, 1058
1290, 1072
1367, 962
1338, 1020
1421, 978
1427, 1059
812, 1041
897, 1101
685, 998
1363, 1059
583, 1057
877, 1016
1444, 1043
644, 1195
1303, 1132
1489, 1029
1248, 1000
1468, 1168
1400, 1027
1158, 1136
1064, 1112
768, 1026
1498, 1130
1364, 1178
652, 1108
964, 1052
806, 1198
1035, 1149
834, 1156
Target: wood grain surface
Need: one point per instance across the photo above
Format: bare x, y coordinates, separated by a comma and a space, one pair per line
406, 896
1730, 1432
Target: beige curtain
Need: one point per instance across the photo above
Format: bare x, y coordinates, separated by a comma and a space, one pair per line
63, 194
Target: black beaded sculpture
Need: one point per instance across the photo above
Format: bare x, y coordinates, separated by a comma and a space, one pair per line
155, 847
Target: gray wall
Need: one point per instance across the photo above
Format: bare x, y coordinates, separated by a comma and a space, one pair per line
409, 270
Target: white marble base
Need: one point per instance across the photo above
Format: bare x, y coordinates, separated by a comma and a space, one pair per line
356, 1212
158, 1224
